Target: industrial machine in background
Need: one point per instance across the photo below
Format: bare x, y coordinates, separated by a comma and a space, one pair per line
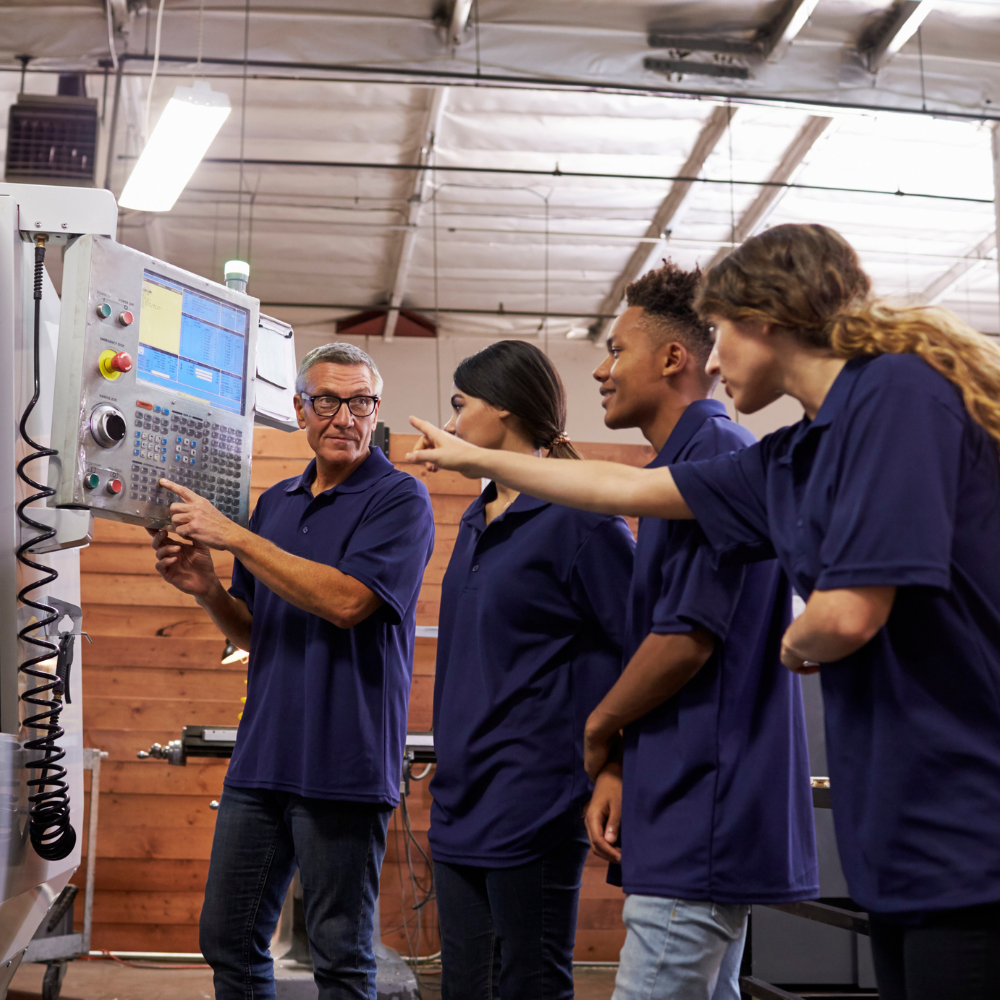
142, 371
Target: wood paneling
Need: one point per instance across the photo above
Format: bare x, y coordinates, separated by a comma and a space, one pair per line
155, 777
153, 874
154, 666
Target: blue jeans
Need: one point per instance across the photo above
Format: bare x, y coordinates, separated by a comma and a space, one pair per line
509, 932
681, 950
260, 838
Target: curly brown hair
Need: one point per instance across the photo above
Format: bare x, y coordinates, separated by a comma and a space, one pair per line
794, 276
667, 296
807, 279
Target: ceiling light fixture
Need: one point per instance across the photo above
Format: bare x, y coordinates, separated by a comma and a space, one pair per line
189, 123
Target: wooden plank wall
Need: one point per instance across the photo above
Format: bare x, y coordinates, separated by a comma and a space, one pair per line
154, 667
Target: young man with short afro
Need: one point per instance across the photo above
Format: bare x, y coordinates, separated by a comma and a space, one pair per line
699, 750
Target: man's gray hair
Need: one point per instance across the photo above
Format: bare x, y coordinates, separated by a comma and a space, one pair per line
338, 353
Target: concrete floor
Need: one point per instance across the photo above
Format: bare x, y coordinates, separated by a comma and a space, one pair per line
106, 980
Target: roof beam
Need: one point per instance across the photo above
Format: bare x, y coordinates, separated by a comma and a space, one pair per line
785, 28
666, 215
770, 42
769, 197
419, 191
119, 14
880, 43
458, 21
941, 286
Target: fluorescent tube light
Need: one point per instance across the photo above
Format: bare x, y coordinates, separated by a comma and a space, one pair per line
189, 123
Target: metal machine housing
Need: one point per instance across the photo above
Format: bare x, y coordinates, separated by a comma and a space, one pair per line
118, 433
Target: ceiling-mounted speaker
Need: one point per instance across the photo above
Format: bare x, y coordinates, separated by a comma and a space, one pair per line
53, 140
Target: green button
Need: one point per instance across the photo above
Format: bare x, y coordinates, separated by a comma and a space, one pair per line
104, 310
92, 481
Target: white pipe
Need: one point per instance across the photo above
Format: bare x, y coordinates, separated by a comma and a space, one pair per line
151, 956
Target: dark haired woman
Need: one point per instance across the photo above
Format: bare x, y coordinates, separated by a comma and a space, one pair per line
531, 630
882, 506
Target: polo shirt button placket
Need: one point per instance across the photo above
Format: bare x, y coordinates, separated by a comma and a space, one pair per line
305, 531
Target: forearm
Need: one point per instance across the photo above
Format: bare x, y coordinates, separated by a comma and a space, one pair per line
231, 616
314, 587
836, 623
814, 644
604, 487
661, 666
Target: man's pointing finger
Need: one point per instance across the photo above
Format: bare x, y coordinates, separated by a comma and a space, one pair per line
182, 491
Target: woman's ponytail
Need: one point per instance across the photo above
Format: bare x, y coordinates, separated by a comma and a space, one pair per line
562, 447
518, 377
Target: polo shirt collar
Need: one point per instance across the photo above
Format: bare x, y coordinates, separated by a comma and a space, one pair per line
840, 391
372, 469
831, 407
691, 420
476, 511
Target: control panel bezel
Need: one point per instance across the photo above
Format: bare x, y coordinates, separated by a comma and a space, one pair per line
168, 434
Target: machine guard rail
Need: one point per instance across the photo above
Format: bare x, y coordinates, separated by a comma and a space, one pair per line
811, 909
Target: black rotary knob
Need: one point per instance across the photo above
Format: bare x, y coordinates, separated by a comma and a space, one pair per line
107, 424
115, 426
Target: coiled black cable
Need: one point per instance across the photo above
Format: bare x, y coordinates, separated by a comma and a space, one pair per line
52, 835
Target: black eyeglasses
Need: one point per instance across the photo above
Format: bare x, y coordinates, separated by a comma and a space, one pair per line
329, 406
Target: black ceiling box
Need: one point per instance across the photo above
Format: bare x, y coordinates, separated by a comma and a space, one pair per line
52, 140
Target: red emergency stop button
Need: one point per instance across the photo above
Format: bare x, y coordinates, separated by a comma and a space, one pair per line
114, 364
121, 362
114, 486
125, 318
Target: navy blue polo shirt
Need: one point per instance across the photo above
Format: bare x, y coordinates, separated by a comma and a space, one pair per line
892, 484
326, 707
531, 631
716, 800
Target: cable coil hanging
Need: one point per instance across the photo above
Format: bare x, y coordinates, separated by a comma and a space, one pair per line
52, 836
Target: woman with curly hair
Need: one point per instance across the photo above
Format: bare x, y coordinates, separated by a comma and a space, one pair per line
883, 507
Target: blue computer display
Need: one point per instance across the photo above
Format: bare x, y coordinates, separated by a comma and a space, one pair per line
192, 343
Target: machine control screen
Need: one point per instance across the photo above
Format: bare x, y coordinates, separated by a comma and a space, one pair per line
192, 343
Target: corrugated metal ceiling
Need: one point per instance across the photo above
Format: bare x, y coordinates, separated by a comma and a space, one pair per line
330, 234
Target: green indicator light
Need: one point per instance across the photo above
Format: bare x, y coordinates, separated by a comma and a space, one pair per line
104, 310
92, 481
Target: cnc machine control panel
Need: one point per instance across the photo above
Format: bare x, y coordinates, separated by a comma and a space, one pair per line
154, 379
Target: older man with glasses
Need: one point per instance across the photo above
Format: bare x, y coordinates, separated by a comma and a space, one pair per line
324, 596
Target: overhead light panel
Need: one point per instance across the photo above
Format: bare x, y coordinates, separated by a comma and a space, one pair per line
189, 123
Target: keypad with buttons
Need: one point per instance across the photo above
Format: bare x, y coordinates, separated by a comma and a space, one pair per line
207, 458
196, 452
149, 439
145, 485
